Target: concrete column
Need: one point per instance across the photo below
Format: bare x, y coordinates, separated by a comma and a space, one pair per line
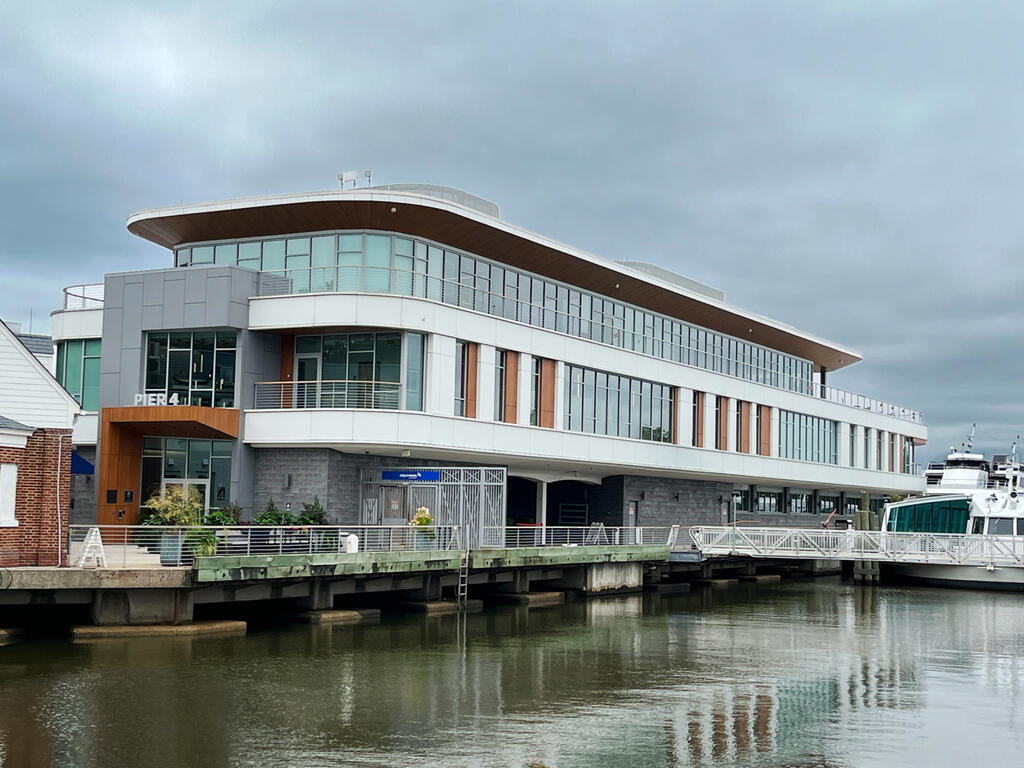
541, 503
843, 447
525, 388
773, 445
559, 395
730, 439
684, 416
485, 383
439, 376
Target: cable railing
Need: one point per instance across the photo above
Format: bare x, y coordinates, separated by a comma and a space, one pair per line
271, 395
399, 282
144, 546
86, 296
596, 535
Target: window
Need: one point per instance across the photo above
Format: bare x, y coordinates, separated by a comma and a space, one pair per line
461, 368
203, 464
603, 403
535, 364
853, 445
500, 359
196, 366
360, 370
78, 371
807, 438
697, 418
739, 425
1000, 526
867, 447
8, 494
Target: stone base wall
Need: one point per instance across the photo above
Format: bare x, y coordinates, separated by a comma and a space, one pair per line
331, 476
665, 501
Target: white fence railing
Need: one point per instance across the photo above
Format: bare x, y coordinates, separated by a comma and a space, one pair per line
577, 536
935, 548
84, 296
328, 394
139, 546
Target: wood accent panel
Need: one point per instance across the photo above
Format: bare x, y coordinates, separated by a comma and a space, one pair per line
764, 445
121, 433
700, 419
723, 423
472, 363
546, 417
744, 446
478, 237
511, 405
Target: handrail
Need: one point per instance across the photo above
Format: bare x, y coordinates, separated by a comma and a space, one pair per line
84, 296
400, 282
328, 393
885, 546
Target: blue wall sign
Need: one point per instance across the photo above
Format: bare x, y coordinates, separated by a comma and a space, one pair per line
412, 475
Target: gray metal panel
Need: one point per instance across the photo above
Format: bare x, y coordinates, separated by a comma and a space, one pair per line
153, 289
113, 287
194, 316
195, 285
174, 304
152, 317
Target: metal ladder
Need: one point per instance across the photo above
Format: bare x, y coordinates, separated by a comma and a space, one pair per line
463, 590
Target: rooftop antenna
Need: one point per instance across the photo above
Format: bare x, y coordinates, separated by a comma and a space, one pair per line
346, 176
1013, 451
970, 439
368, 174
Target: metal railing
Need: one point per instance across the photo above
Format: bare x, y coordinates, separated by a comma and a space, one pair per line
142, 546
86, 296
328, 394
399, 282
886, 546
576, 536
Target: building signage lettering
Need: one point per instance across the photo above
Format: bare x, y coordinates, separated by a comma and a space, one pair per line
156, 398
412, 476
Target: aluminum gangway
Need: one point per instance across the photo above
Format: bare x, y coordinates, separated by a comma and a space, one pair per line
878, 546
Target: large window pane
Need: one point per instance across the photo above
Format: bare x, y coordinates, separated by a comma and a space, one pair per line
91, 384
414, 372
73, 368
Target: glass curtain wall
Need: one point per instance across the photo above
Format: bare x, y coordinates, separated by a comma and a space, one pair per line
500, 359
807, 438
78, 370
605, 404
363, 370
461, 369
385, 263
192, 367
203, 464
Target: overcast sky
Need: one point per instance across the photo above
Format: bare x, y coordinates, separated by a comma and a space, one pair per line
853, 168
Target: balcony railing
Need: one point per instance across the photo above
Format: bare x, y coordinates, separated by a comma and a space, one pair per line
328, 394
83, 296
399, 282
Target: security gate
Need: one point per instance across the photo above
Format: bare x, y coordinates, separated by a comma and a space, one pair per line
473, 498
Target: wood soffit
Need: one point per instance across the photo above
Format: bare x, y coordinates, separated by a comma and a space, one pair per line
475, 237
176, 420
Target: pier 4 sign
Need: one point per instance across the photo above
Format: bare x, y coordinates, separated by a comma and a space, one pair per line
156, 398
412, 475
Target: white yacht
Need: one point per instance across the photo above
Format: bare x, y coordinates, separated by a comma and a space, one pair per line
970, 496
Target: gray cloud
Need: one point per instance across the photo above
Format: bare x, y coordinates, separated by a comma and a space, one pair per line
853, 169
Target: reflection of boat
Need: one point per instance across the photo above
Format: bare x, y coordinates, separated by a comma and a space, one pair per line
971, 496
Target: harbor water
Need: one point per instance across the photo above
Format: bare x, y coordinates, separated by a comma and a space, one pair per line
802, 673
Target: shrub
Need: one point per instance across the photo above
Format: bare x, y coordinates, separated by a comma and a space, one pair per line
175, 507
274, 516
313, 514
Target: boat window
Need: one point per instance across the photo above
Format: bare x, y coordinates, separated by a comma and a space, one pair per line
1000, 526
1020, 526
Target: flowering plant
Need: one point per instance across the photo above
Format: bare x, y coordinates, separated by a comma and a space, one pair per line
422, 517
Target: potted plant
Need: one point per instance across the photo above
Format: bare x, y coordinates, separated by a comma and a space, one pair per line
424, 535
179, 509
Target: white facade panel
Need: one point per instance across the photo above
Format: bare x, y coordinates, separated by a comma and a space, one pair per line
76, 324
28, 392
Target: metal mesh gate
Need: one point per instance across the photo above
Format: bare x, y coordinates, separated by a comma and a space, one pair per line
472, 498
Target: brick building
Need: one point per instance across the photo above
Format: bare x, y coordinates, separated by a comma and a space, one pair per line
37, 416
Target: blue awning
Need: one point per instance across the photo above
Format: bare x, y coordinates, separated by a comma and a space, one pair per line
80, 466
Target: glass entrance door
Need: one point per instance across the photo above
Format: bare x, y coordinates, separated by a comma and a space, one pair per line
307, 381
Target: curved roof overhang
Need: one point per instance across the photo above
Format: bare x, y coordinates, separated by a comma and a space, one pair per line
469, 230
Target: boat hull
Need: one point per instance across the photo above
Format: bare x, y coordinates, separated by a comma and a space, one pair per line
960, 576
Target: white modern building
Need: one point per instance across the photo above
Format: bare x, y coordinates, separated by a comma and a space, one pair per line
300, 343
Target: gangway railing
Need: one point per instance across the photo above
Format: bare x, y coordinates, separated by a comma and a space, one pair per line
884, 546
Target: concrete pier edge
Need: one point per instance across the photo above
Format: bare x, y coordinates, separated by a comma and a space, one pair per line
195, 629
